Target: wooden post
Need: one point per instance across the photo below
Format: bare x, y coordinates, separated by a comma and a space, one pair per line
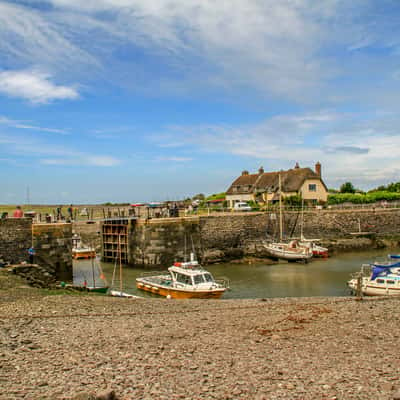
359, 293
280, 210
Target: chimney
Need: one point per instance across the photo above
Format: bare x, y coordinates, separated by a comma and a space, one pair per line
245, 172
260, 170
318, 169
297, 166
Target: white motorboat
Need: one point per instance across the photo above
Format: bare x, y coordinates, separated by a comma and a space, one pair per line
377, 279
184, 280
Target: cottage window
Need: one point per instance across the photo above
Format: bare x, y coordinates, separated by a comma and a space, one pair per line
312, 187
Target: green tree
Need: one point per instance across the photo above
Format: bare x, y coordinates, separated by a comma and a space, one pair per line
347, 187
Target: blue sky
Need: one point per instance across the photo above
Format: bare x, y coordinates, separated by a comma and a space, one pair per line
132, 100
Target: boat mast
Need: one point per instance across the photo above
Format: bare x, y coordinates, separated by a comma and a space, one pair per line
120, 263
280, 210
302, 219
94, 282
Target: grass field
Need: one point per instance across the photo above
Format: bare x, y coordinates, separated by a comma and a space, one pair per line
92, 211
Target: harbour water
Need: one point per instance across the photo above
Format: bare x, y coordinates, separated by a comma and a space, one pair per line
320, 277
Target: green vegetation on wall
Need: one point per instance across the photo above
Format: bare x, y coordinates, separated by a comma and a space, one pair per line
358, 198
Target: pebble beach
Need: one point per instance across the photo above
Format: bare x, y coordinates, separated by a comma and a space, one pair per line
88, 347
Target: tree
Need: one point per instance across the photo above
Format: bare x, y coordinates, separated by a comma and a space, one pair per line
347, 188
199, 196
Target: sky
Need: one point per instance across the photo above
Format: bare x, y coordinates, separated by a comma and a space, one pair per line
132, 100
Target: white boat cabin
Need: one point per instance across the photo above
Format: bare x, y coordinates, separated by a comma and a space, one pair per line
190, 274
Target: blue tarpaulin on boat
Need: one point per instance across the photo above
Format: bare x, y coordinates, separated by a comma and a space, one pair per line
380, 270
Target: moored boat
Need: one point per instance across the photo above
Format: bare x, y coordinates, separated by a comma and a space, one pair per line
377, 279
291, 251
79, 251
184, 280
312, 244
117, 293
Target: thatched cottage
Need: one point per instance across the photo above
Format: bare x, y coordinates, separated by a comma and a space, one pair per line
263, 187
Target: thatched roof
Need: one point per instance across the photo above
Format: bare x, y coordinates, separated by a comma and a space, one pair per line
291, 181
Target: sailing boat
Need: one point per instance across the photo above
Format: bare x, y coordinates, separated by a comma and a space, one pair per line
94, 288
317, 250
291, 251
114, 292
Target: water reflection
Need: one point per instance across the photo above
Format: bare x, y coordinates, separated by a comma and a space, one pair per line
321, 277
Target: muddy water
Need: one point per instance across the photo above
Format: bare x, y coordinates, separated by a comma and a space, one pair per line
321, 277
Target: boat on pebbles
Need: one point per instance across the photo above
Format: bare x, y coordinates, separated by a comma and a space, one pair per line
377, 279
184, 280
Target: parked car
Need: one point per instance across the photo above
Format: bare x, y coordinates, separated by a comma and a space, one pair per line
241, 206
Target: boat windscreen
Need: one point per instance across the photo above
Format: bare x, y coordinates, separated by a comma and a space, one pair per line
181, 278
198, 279
208, 277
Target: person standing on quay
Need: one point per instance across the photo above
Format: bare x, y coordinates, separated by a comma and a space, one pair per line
18, 213
70, 212
31, 252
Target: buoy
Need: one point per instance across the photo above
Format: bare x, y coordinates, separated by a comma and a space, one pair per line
168, 296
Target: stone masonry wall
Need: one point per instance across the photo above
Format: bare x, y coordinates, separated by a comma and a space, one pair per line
160, 242
15, 239
53, 245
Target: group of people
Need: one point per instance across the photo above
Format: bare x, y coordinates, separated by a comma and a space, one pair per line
18, 213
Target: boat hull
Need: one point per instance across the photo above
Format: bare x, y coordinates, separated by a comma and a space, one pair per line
320, 253
371, 289
84, 254
179, 294
97, 289
117, 293
288, 255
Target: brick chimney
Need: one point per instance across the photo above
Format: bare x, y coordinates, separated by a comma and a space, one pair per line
245, 172
260, 170
318, 169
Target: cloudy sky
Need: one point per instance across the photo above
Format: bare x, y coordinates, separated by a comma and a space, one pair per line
132, 100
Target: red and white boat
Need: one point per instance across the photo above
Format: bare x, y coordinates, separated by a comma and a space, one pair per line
317, 250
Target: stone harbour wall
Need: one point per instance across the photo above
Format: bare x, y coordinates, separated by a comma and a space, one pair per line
161, 242
53, 245
15, 239
219, 238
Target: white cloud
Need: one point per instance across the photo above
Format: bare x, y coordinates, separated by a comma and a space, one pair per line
32, 149
34, 86
30, 37
82, 159
269, 46
350, 146
23, 125
175, 159
290, 48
